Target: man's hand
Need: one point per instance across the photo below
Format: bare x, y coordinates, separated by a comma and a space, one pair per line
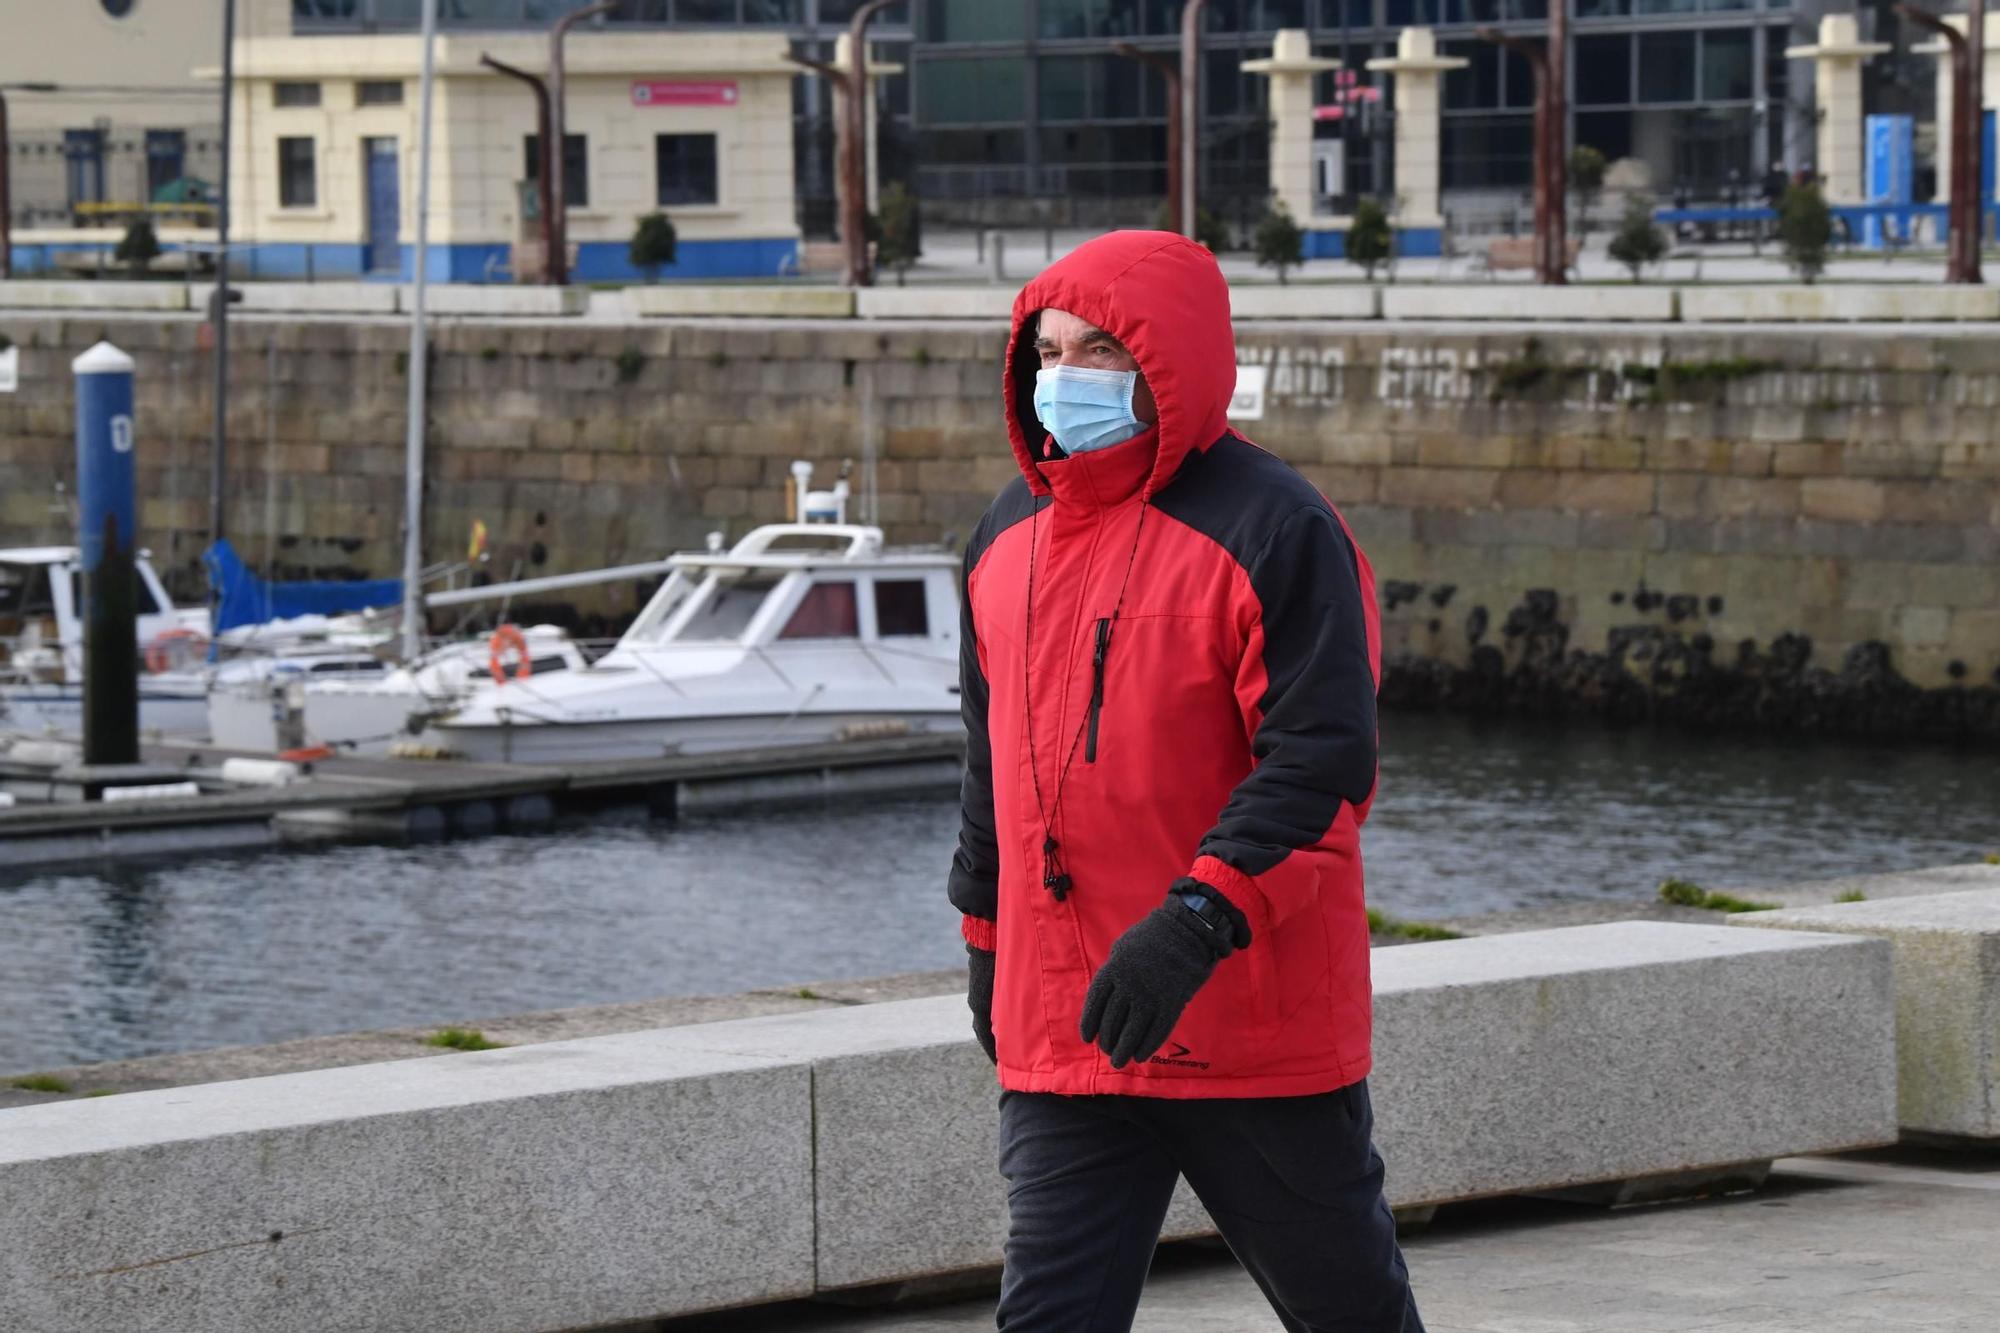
979, 998
1153, 971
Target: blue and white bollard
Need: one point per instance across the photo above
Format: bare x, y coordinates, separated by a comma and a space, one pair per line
107, 526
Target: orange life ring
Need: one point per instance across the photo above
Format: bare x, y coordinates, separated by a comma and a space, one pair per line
508, 639
170, 649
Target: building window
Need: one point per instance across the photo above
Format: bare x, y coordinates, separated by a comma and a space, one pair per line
1666, 66
686, 164
294, 94
576, 167
1603, 69
900, 610
83, 151
378, 92
298, 182
166, 154
117, 9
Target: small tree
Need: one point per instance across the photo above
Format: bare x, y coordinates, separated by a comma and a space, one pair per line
139, 247
1368, 236
653, 244
900, 231
1638, 242
1209, 229
1586, 178
1280, 242
1805, 227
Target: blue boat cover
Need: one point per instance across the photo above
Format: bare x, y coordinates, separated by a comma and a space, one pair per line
242, 598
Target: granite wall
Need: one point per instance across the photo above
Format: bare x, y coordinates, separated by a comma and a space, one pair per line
1798, 528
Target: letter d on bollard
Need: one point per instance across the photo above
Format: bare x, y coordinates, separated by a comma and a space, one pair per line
106, 526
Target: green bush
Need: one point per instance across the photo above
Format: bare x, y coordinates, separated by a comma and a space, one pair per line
139, 247
1280, 242
1209, 229
1805, 228
899, 231
653, 244
1369, 239
1638, 242
1586, 181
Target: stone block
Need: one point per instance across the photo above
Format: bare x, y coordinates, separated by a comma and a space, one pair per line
1606, 492
1509, 301
1824, 303
1605, 1053
1345, 300
994, 304
686, 301
543, 1187
310, 298
1946, 969
29, 294
1844, 499
478, 300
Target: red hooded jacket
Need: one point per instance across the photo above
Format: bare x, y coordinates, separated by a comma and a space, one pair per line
1202, 696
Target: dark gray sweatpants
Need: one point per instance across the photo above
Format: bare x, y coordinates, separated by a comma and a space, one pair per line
1294, 1185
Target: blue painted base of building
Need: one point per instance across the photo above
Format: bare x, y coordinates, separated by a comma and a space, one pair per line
1411, 243
596, 261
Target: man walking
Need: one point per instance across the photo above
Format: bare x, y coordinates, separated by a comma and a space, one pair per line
1169, 654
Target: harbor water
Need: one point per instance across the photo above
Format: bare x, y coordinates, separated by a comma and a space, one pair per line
131, 960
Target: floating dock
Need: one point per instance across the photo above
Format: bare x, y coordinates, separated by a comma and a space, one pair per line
427, 799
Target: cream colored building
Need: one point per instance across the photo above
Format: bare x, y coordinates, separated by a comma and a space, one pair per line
695, 124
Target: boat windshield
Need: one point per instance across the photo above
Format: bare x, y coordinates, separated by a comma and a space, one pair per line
726, 611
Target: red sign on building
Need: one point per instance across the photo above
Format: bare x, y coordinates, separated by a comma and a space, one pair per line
684, 92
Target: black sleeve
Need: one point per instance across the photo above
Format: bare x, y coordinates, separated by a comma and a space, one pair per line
1315, 737
975, 867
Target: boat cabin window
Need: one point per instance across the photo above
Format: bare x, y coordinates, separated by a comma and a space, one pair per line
144, 602
542, 666
25, 593
727, 611
829, 611
899, 609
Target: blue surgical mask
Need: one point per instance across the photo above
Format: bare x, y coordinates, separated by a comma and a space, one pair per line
1087, 409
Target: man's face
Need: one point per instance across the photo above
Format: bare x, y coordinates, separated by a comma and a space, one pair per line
1061, 339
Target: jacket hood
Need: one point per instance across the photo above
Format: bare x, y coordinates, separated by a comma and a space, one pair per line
1161, 295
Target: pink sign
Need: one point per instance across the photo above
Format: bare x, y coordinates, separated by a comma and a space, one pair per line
683, 92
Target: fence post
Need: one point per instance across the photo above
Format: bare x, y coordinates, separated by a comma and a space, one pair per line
107, 508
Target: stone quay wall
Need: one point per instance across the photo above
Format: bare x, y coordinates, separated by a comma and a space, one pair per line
1792, 527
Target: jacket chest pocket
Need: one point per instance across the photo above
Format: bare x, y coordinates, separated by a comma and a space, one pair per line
1156, 683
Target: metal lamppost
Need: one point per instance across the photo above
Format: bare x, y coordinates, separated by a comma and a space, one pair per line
1171, 72
851, 141
1551, 113
554, 137
1190, 98
6, 196
1968, 209
218, 460
544, 172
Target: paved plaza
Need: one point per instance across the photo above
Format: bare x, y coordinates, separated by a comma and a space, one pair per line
1902, 1239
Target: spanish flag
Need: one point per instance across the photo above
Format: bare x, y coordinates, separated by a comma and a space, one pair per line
477, 546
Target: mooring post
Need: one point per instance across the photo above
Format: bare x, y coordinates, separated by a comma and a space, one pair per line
107, 521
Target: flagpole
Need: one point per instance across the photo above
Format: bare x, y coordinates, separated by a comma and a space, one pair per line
413, 445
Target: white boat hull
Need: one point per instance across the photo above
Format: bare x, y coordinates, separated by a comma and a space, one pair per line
57, 710
654, 738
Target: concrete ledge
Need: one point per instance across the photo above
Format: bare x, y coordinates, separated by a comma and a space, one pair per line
667, 1172
475, 300
683, 301
92, 295
1517, 301
995, 304
1821, 303
538, 1188
310, 298
1947, 980
1306, 301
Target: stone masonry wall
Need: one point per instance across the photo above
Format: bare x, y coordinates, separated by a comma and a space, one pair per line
1796, 528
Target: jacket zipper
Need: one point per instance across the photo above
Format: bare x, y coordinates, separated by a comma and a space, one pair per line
1097, 688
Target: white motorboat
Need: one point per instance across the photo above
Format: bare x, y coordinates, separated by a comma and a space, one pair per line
361, 704
41, 648
800, 632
